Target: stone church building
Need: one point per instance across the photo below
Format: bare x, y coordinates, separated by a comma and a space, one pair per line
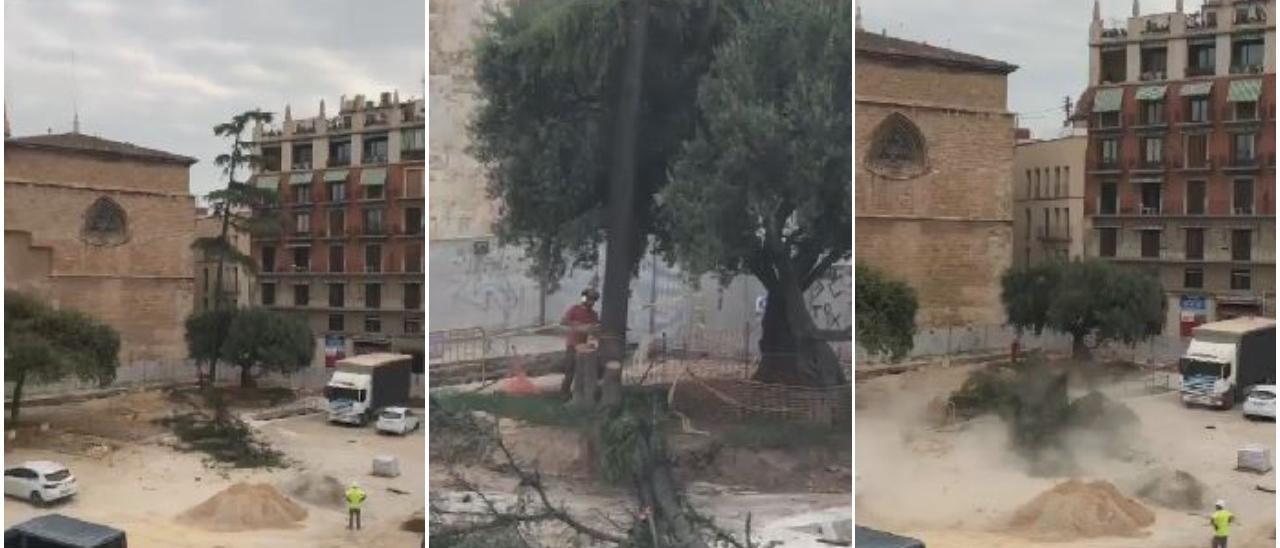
934, 151
104, 227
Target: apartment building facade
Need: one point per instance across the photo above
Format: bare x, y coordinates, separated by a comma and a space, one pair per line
1048, 195
349, 254
1181, 157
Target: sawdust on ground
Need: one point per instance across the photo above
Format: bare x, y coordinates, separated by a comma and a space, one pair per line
245, 507
1075, 509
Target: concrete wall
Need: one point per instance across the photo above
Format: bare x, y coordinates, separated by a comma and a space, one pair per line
492, 291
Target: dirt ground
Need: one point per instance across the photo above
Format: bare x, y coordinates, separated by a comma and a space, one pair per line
140, 484
973, 483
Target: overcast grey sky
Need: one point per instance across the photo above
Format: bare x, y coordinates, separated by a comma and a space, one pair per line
162, 73
1047, 39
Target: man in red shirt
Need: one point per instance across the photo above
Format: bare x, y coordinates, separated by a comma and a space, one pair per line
581, 319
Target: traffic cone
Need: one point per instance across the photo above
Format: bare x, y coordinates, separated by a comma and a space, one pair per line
517, 382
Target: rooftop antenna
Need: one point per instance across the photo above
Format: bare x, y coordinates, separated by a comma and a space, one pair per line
75, 90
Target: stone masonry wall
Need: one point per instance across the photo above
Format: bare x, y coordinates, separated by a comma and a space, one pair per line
948, 233
144, 287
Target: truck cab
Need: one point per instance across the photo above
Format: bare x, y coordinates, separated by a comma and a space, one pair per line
1225, 359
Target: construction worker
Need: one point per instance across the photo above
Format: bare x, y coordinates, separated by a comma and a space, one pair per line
1221, 520
581, 319
355, 499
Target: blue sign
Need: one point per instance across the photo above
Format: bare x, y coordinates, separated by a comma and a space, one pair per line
1193, 302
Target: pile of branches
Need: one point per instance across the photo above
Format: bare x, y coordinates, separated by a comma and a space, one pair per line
662, 515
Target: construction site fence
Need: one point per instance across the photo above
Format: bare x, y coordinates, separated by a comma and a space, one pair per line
163, 374
944, 342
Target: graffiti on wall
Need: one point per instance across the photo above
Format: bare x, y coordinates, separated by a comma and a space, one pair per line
830, 298
488, 282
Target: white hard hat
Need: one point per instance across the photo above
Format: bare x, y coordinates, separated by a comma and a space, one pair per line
1221, 503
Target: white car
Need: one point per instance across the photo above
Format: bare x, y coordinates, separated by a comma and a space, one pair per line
398, 420
1261, 402
39, 481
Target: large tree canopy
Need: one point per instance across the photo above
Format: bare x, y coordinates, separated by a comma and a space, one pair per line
1082, 298
764, 185
47, 345
269, 341
548, 76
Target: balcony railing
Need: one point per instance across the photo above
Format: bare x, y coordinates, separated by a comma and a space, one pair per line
1246, 69
376, 119
375, 159
1242, 210
304, 127
1250, 15
1149, 210
1156, 26
412, 155
1153, 75
302, 166
340, 123
338, 162
1114, 33
1200, 71
1202, 21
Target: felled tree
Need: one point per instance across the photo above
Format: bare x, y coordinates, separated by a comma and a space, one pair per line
1092, 297
269, 341
886, 312
47, 345
239, 205
764, 186
550, 126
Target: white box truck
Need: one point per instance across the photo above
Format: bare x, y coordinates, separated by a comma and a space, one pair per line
363, 385
1225, 359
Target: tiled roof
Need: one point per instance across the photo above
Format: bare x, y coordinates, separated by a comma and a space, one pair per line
888, 46
97, 145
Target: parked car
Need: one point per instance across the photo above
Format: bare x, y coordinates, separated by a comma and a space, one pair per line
59, 531
865, 537
398, 420
1261, 402
39, 481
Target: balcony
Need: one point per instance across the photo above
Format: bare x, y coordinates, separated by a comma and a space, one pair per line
1250, 15
410, 114
374, 159
341, 123
1202, 21
301, 166
1156, 26
1247, 69
304, 127
413, 155
1153, 75
1200, 71
1242, 210
1149, 211
338, 162
375, 119
1117, 33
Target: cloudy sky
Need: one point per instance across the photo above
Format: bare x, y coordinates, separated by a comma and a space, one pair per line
1047, 39
162, 73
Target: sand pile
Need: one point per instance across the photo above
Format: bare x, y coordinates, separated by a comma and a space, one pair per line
245, 507
1075, 509
1173, 489
316, 488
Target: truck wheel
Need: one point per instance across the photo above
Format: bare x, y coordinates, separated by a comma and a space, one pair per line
1228, 401
36, 499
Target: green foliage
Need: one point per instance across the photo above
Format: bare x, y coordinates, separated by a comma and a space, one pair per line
269, 341
225, 439
205, 332
886, 312
1109, 301
47, 345
1028, 293
771, 158
549, 411
547, 73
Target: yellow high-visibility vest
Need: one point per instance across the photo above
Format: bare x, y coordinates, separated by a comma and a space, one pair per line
1221, 523
355, 497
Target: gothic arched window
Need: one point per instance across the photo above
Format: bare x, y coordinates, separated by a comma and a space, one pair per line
897, 149
105, 223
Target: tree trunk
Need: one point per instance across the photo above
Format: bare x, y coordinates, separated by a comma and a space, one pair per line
585, 382
620, 235
658, 492
246, 377
777, 343
17, 399
1079, 350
